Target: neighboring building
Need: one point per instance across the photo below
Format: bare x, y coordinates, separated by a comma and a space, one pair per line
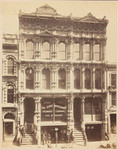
112, 98
9, 85
56, 79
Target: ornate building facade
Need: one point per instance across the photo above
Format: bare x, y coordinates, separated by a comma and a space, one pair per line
55, 77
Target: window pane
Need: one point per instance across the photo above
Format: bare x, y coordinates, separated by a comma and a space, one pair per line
96, 107
29, 50
113, 79
61, 51
97, 56
76, 51
113, 97
96, 51
60, 110
10, 94
46, 50
62, 79
47, 110
46, 79
86, 50
87, 79
29, 78
77, 79
10, 66
98, 79
88, 107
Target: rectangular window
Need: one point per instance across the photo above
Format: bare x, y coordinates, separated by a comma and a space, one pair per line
96, 50
46, 54
77, 84
54, 110
62, 84
76, 51
113, 99
93, 106
88, 106
113, 79
10, 95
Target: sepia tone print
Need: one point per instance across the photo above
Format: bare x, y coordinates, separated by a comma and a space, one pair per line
58, 90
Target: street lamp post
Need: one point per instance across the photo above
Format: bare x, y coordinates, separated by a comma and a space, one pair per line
56, 135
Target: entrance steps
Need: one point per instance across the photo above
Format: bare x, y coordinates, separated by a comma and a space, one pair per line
28, 138
78, 135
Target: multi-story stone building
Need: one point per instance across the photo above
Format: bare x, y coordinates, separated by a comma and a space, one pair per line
9, 85
111, 98
55, 81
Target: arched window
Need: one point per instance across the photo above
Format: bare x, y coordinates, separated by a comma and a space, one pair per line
46, 51
29, 50
10, 94
10, 66
62, 79
9, 116
77, 79
86, 52
87, 78
46, 79
98, 79
61, 51
76, 54
96, 52
29, 78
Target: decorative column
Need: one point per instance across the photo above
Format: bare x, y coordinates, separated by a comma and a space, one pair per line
22, 77
93, 79
37, 78
104, 117
36, 50
53, 51
40, 49
92, 50
39, 120
105, 79
24, 48
55, 45
68, 78
81, 49
82, 112
21, 110
70, 112
71, 77
71, 49
83, 77
103, 50
53, 77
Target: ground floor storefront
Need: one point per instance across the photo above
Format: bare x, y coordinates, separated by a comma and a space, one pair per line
59, 119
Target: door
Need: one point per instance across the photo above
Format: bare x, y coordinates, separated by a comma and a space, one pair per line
29, 108
8, 128
77, 109
93, 132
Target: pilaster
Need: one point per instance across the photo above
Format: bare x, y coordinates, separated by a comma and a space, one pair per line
83, 77
21, 110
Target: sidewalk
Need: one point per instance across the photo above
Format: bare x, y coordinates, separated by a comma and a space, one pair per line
90, 145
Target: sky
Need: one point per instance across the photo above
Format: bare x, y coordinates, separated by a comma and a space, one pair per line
99, 9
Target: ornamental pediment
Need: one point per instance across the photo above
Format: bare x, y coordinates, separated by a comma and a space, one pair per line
46, 10
90, 18
46, 33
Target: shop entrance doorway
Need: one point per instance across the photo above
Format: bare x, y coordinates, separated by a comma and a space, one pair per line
93, 132
55, 134
113, 123
29, 108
